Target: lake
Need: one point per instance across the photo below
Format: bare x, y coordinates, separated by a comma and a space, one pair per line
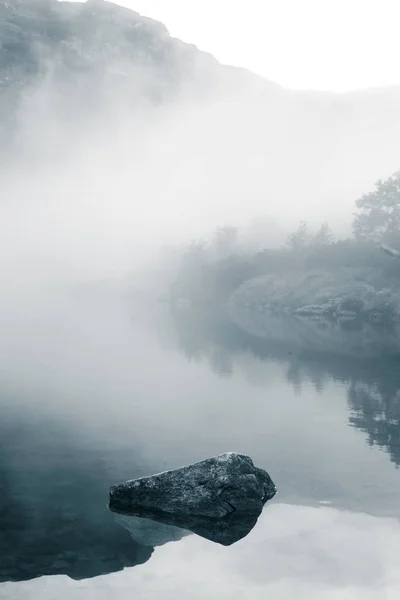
96, 390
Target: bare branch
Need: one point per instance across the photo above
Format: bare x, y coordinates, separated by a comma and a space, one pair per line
390, 251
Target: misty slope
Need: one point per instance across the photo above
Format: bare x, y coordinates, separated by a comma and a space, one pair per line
96, 51
94, 38
247, 139
88, 55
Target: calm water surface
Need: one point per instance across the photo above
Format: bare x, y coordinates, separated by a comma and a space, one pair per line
93, 393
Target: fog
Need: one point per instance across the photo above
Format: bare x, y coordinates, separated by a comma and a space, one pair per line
111, 173
94, 193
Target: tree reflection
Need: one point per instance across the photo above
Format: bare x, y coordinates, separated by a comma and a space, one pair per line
373, 383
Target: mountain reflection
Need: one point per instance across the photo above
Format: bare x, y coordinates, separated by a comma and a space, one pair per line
373, 383
52, 519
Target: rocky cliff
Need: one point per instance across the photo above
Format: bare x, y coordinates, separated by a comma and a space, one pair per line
272, 144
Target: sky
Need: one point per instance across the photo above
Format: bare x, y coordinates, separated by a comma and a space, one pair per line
335, 45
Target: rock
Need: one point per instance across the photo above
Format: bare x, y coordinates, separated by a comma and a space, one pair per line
313, 310
213, 488
354, 305
347, 315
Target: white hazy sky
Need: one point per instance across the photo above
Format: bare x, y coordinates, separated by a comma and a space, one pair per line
336, 45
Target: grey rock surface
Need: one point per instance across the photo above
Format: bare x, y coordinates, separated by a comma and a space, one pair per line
213, 488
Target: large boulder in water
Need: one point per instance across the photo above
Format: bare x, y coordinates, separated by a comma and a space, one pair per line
213, 488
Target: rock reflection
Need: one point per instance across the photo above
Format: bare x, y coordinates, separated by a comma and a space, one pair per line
157, 530
149, 532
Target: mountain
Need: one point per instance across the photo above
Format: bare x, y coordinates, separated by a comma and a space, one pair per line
262, 147
101, 46
87, 54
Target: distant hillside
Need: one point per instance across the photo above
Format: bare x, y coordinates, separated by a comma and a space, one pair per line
264, 144
88, 54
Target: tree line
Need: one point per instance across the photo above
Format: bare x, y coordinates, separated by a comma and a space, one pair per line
213, 269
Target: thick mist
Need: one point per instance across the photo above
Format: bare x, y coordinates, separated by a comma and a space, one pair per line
90, 200
135, 204
102, 180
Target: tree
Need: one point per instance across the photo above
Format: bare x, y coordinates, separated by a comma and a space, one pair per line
225, 241
323, 237
378, 218
299, 239
194, 258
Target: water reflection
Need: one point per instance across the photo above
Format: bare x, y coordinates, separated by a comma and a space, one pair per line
53, 509
203, 388
167, 528
294, 552
373, 383
149, 532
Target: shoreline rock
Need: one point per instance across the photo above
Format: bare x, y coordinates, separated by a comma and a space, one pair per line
214, 488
